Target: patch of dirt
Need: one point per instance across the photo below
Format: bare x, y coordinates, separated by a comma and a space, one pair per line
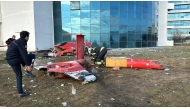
124, 88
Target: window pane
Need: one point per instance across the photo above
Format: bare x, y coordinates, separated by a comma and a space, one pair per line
131, 36
105, 29
66, 21
75, 29
75, 5
85, 13
66, 29
75, 13
85, 29
114, 44
123, 44
123, 6
95, 20
131, 7
123, 14
131, 15
131, 44
105, 13
105, 20
95, 28
65, 5
114, 29
65, 14
138, 8
95, 5
114, 21
95, 40
138, 37
123, 37
105, 37
114, 37
123, 21
75, 20
105, 5
114, 13
84, 5
85, 21
95, 13
123, 29
105, 44
131, 22
114, 5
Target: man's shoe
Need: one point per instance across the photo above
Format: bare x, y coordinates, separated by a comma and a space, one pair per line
24, 94
29, 74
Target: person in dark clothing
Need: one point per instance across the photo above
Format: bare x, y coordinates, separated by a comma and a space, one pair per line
16, 56
98, 54
8, 41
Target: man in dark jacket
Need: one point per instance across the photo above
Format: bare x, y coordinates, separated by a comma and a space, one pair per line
16, 56
98, 54
8, 41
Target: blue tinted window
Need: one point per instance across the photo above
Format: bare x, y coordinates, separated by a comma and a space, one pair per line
123, 37
131, 7
138, 29
105, 37
179, 23
105, 13
123, 6
114, 44
114, 5
84, 13
105, 28
138, 15
95, 13
85, 29
138, 8
144, 15
131, 15
131, 36
131, 22
95, 5
87, 37
138, 22
105, 20
138, 37
75, 29
123, 14
95, 40
65, 5
145, 8
104, 5
84, 5
123, 29
95, 20
123, 44
179, 15
105, 44
131, 29
114, 21
66, 21
114, 29
114, 37
85, 20
75, 13
75, 5
123, 21
95, 28
114, 13
138, 44
65, 14
75, 20
131, 44
66, 28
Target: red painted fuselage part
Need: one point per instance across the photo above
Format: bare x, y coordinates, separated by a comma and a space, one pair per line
80, 46
69, 47
143, 64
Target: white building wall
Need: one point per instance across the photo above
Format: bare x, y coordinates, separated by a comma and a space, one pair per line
35, 17
17, 16
162, 24
44, 29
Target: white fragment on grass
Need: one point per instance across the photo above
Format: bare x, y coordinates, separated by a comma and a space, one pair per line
31, 80
112, 99
35, 100
8, 78
34, 86
62, 84
167, 73
58, 98
64, 103
167, 69
30, 94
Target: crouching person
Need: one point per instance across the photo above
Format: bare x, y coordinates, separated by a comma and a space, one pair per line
98, 54
16, 56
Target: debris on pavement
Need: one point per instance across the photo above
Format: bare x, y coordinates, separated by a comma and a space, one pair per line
64, 103
62, 84
35, 100
112, 99
116, 68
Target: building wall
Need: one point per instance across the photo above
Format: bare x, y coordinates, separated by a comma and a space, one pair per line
43, 17
33, 16
17, 16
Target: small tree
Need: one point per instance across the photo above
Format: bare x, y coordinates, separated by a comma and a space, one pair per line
177, 36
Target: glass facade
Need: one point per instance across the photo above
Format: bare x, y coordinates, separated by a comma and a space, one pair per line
179, 19
114, 24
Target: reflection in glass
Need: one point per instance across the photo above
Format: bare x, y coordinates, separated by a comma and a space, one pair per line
131, 15
123, 14
139, 15
123, 29
85, 21
65, 21
114, 13
85, 13
95, 13
114, 29
131, 7
95, 5
138, 37
84, 5
105, 13
114, 21
87, 37
114, 5
95, 20
123, 6
104, 5
131, 22
105, 37
123, 37
123, 21
75, 5
105, 29
85, 29
131, 36
131, 29
105, 44
114, 37
131, 44
65, 14
139, 44
114, 44
138, 7
75, 13
105, 20
66, 28
95, 40
95, 29
65, 5
75, 29
123, 44
75, 21
138, 29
